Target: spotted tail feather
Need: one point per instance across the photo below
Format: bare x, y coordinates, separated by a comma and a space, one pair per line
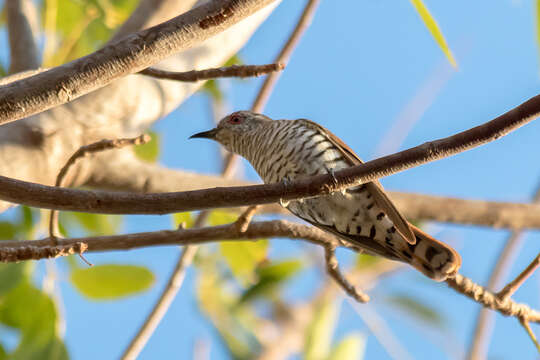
433, 258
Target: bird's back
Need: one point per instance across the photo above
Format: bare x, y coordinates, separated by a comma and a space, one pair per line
294, 149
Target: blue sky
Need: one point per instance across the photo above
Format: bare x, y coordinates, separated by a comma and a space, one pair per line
356, 69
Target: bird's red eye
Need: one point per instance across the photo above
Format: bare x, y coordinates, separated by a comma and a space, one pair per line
235, 120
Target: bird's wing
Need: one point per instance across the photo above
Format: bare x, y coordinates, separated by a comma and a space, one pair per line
369, 245
374, 187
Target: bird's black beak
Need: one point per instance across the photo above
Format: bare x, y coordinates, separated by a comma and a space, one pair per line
210, 134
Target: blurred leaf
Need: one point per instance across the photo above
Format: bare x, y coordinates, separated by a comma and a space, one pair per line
27, 219
243, 257
32, 312
365, 261
319, 333
270, 276
220, 217
98, 224
7, 230
53, 350
352, 347
112, 281
216, 300
10, 276
211, 88
184, 217
149, 152
415, 308
433, 28
3, 71
234, 60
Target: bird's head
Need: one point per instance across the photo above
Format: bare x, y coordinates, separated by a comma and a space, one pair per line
234, 129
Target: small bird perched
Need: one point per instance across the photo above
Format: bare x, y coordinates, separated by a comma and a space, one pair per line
287, 150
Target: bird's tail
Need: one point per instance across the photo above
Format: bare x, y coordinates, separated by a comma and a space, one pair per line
433, 258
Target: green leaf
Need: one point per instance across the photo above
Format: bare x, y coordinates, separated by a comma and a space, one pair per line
244, 257
98, 224
416, 308
352, 347
149, 152
7, 230
32, 312
365, 261
220, 217
53, 350
433, 28
112, 281
270, 277
10, 276
27, 219
319, 332
185, 218
234, 60
211, 88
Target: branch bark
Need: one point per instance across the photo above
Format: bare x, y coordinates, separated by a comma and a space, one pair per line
121, 203
23, 250
132, 54
122, 171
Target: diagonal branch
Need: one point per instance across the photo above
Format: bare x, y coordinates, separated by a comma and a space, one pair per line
129, 55
122, 171
21, 21
30, 194
19, 250
229, 71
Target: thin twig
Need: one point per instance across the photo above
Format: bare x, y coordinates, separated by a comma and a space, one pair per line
332, 267
485, 319
283, 58
531, 334
490, 300
83, 151
21, 192
285, 53
229, 71
244, 219
513, 285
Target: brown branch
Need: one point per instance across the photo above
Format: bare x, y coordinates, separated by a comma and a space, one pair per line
529, 331
83, 151
490, 300
35, 195
332, 268
21, 19
129, 55
513, 285
285, 53
244, 219
485, 319
229, 71
122, 171
18, 251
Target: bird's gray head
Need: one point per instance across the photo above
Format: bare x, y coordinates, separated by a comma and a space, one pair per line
235, 129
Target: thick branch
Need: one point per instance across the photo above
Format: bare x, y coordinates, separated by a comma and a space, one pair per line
194, 236
21, 20
132, 54
121, 203
121, 170
18, 250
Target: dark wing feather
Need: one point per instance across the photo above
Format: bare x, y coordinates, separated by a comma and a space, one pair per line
371, 247
374, 187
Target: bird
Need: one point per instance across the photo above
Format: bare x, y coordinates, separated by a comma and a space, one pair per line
363, 215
